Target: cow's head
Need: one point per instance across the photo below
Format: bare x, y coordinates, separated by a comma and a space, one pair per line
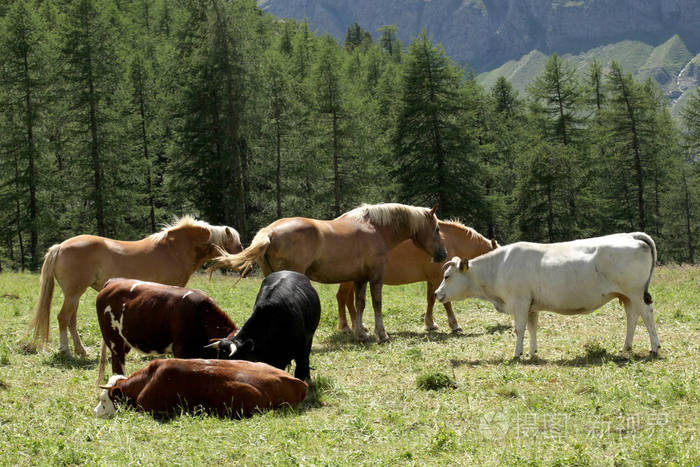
455, 283
105, 403
233, 349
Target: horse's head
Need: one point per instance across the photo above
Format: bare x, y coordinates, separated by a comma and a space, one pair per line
428, 237
232, 241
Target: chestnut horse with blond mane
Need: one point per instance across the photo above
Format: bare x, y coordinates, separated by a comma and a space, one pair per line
408, 264
169, 257
353, 247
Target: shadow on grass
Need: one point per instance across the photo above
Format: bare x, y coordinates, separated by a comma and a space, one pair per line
498, 328
587, 360
61, 360
343, 340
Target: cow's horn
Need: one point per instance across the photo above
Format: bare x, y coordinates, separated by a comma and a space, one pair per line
214, 345
233, 350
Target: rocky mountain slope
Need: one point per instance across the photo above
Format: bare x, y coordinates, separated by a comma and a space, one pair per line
484, 34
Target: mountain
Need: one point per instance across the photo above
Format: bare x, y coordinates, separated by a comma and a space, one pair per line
670, 64
484, 34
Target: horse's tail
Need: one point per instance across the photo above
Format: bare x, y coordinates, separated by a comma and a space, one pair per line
242, 261
103, 363
42, 310
642, 237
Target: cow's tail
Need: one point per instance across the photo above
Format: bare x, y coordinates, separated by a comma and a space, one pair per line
42, 311
241, 262
103, 363
642, 237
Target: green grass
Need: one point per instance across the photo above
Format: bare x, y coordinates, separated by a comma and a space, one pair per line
578, 403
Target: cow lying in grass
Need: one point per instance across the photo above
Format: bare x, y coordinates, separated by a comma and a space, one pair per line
221, 387
568, 278
157, 319
281, 328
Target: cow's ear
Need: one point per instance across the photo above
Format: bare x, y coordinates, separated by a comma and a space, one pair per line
463, 264
116, 393
433, 209
248, 345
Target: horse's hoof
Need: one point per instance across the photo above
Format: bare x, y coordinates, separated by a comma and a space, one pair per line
653, 354
383, 339
364, 338
457, 330
432, 327
345, 329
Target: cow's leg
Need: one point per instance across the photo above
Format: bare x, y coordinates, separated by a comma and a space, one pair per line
532, 329
375, 288
520, 314
119, 351
360, 292
342, 298
632, 316
647, 313
302, 370
65, 317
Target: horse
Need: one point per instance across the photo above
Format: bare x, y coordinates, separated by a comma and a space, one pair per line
352, 247
407, 264
170, 257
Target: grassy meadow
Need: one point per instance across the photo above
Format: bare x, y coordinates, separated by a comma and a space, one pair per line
579, 403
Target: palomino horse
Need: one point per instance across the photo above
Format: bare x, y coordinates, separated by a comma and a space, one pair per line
407, 264
353, 247
169, 257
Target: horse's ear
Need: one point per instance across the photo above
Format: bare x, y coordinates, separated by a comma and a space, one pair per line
229, 234
494, 244
433, 209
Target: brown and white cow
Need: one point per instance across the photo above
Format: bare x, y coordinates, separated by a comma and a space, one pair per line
157, 319
570, 278
222, 387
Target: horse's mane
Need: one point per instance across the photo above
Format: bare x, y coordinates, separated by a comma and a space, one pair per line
471, 233
217, 234
393, 215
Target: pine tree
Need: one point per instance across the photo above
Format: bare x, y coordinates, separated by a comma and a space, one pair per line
24, 80
434, 156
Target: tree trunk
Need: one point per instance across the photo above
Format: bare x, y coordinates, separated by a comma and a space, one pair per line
32, 176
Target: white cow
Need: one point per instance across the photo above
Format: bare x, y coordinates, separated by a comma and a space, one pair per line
575, 277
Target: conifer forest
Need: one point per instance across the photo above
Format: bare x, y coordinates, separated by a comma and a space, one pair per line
117, 116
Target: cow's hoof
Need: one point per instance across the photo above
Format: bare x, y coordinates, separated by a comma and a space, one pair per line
345, 329
383, 337
653, 354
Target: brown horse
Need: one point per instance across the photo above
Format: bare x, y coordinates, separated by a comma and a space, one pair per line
353, 247
169, 257
407, 264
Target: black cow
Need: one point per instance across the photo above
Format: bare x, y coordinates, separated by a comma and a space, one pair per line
281, 328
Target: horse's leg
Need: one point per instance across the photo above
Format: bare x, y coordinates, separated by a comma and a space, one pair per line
65, 317
375, 288
345, 297
77, 343
430, 298
360, 291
